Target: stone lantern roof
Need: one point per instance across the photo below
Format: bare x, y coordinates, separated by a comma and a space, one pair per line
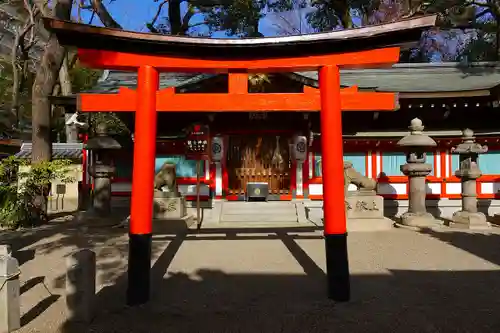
102, 141
469, 145
416, 138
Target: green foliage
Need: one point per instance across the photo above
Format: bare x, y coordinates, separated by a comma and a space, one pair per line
479, 20
83, 79
113, 123
330, 14
7, 120
239, 17
19, 190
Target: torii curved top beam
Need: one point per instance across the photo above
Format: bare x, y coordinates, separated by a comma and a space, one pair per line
351, 40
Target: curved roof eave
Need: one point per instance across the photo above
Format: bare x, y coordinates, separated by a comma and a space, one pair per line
349, 40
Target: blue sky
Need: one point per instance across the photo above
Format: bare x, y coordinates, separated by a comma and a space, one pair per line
131, 14
134, 14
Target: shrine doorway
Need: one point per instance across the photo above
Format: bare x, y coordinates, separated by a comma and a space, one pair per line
259, 159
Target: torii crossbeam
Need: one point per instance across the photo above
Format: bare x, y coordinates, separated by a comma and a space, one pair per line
150, 54
237, 100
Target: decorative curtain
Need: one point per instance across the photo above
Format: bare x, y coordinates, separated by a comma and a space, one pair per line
358, 161
183, 168
455, 163
489, 163
392, 161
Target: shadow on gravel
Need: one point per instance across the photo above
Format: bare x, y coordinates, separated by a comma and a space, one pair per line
482, 245
215, 301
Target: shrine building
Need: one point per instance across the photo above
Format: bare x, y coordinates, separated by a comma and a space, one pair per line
259, 147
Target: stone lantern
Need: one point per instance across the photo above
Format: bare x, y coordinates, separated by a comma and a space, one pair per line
468, 172
102, 168
416, 144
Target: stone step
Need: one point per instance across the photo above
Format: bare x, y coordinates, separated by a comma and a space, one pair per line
259, 218
263, 225
260, 211
254, 204
258, 208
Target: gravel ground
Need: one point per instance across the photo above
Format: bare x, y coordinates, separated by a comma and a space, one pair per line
402, 281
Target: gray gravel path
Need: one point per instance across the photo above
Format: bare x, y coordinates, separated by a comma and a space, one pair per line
402, 281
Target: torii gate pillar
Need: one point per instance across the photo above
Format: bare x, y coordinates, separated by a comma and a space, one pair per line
332, 163
141, 215
335, 231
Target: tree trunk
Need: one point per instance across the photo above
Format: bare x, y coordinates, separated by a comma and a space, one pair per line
45, 80
174, 17
104, 15
497, 41
66, 90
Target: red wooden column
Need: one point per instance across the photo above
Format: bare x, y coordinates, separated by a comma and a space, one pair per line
332, 160
141, 215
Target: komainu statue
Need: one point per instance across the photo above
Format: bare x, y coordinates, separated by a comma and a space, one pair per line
166, 181
351, 176
168, 203
364, 208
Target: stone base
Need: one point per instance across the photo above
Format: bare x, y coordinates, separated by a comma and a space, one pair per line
425, 220
364, 206
94, 219
365, 212
172, 225
376, 224
61, 204
466, 220
169, 208
170, 215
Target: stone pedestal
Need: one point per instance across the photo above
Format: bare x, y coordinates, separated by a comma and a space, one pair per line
416, 169
170, 213
467, 220
165, 208
417, 215
102, 188
469, 217
365, 212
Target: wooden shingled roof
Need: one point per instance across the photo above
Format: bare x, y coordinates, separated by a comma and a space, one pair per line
418, 77
402, 78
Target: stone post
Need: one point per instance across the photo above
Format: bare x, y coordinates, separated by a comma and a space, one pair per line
71, 129
416, 168
5, 250
102, 169
102, 188
468, 172
10, 308
80, 285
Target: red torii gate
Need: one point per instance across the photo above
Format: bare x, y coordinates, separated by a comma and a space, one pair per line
115, 49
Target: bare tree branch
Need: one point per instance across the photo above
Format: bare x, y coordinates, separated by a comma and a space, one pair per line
103, 14
158, 12
23, 41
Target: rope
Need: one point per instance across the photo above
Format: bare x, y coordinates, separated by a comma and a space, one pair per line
9, 277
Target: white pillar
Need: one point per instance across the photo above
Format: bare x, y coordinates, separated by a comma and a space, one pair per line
299, 178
